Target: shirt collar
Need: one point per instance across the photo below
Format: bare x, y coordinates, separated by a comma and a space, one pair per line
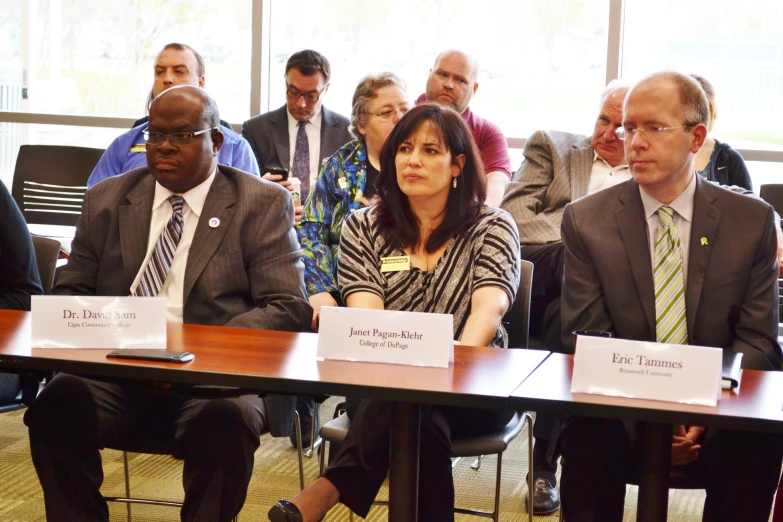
683, 205
194, 197
315, 120
596, 157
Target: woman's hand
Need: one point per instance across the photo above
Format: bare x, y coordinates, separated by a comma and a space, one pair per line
317, 301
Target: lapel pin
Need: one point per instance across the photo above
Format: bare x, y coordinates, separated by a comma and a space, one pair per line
215, 222
704, 241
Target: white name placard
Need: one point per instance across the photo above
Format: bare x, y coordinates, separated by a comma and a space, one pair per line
98, 322
646, 370
412, 338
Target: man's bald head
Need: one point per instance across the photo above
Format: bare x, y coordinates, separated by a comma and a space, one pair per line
452, 80
176, 158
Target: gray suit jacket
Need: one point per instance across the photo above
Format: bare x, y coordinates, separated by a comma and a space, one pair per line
268, 136
247, 272
732, 289
556, 171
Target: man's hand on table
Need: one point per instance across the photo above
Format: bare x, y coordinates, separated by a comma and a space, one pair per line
686, 444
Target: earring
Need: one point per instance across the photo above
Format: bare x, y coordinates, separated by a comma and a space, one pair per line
454, 183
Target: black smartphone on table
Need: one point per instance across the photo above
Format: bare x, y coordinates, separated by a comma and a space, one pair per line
151, 355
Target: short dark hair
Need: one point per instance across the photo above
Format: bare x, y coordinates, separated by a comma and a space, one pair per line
396, 221
309, 62
201, 68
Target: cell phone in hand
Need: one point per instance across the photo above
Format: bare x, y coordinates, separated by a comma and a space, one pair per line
282, 171
151, 355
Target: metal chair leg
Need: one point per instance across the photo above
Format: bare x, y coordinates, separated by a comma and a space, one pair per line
298, 429
477, 463
529, 420
496, 511
127, 483
322, 456
314, 443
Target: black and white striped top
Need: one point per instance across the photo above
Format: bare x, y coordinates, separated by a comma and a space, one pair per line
487, 254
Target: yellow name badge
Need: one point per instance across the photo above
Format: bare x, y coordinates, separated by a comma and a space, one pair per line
395, 264
139, 147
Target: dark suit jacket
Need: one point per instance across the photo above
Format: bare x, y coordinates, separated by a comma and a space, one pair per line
732, 289
268, 136
247, 272
556, 171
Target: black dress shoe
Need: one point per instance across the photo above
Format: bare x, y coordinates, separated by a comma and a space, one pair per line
284, 511
546, 499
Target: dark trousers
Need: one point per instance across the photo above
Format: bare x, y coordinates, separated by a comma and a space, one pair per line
74, 417
361, 465
548, 266
740, 470
9, 387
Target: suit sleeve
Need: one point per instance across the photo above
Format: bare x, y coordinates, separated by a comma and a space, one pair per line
524, 198
275, 272
583, 306
80, 275
756, 329
18, 269
313, 231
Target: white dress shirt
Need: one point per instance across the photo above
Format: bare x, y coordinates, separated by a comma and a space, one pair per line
682, 219
313, 132
603, 175
174, 284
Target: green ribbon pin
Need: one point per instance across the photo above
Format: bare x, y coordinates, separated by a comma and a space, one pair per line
704, 241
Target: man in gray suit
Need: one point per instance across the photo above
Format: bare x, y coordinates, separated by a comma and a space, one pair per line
668, 232
233, 260
301, 133
559, 167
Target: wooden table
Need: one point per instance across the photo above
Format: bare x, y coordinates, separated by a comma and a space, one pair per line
284, 362
757, 406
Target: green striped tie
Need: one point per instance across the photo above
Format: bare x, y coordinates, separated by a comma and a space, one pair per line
670, 318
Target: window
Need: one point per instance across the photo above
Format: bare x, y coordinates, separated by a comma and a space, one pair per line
737, 46
542, 62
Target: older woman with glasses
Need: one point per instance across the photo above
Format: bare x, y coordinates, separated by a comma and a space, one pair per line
346, 183
464, 261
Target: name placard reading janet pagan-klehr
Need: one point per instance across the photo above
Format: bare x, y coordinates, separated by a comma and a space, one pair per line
98, 322
647, 370
412, 338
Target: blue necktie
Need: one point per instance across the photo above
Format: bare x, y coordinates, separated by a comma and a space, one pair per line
302, 160
158, 267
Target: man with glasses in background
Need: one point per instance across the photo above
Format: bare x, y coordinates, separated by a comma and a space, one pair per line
297, 137
176, 64
300, 134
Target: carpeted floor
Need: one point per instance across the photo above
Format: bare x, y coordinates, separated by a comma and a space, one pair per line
275, 477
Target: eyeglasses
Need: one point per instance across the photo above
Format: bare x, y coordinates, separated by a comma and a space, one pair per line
176, 138
310, 97
650, 131
388, 114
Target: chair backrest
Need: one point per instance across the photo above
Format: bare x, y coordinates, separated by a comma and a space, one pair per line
50, 182
517, 319
46, 253
773, 194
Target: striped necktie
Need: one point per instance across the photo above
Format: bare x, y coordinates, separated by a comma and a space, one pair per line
158, 267
670, 318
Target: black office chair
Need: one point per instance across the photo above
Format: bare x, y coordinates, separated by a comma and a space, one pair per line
47, 251
50, 182
517, 318
773, 194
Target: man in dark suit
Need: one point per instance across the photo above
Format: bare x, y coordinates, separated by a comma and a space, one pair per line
712, 253
301, 133
235, 262
297, 137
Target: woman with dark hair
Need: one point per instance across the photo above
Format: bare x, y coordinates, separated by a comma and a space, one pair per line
717, 161
464, 261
